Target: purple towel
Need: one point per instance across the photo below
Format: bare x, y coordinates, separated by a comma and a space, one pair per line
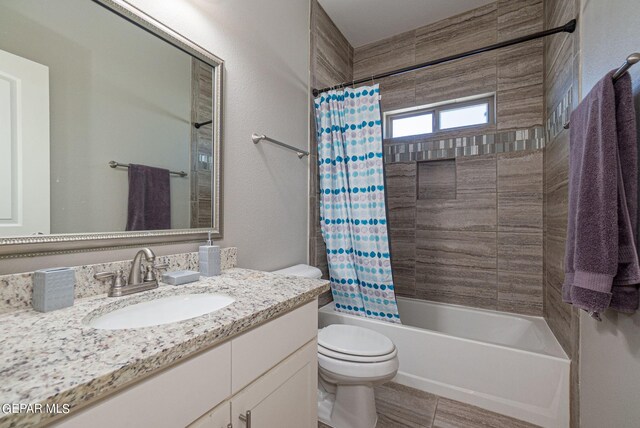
149, 198
601, 261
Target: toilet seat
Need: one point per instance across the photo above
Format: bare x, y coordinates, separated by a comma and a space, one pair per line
356, 358
351, 340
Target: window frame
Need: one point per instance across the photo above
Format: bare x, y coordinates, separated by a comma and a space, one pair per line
436, 109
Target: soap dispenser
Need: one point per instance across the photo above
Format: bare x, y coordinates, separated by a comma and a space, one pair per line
209, 259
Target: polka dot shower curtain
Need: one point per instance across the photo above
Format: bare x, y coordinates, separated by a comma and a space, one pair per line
352, 205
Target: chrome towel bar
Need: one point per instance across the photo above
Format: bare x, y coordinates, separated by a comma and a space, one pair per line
114, 164
256, 138
632, 59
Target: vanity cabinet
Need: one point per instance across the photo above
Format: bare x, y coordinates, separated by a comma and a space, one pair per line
285, 397
263, 378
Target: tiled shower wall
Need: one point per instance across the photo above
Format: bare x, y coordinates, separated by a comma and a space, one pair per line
201, 143
480, 242
562, 54
465, 210
331, 63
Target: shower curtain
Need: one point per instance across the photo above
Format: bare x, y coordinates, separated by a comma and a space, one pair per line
352, 204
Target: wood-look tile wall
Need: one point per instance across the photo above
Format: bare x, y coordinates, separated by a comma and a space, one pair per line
201, 144
476, 243
331, 63
468, 231
515, 74
562, 53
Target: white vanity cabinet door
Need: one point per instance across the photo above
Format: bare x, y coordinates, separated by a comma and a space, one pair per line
173, 398
260, 349
285, 397
220, 417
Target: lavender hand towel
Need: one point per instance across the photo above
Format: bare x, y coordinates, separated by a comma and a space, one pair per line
601, 261
149, 198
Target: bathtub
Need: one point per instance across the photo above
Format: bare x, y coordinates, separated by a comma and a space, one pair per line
507, 363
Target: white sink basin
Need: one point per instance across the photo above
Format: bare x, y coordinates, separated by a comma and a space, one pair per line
161, 311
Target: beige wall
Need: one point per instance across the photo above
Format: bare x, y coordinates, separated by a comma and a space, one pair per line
117, 93
265, 46
609, 351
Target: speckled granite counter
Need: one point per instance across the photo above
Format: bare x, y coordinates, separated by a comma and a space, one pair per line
54, 358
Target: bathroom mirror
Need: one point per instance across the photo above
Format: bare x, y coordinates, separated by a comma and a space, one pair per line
89, 88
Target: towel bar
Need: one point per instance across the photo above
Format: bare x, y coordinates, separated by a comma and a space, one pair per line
632, 59
257, 138
114, 164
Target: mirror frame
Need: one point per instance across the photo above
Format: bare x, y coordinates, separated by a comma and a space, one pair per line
29, 246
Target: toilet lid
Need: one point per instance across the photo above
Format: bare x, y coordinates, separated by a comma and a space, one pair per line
356, 358
353, 340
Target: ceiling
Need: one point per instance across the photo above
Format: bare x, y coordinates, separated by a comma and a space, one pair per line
366, 21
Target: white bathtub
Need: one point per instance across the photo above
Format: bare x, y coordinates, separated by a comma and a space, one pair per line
507, 363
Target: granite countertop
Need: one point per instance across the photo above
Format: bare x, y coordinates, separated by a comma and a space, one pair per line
54, 358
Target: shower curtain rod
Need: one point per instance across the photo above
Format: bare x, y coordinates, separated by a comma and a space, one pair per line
569, 27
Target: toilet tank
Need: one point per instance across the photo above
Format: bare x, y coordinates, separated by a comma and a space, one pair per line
303, 270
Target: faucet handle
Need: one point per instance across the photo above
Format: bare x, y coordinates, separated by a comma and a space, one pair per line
120, 280
154, 271
104, 276
151, 271
117, 279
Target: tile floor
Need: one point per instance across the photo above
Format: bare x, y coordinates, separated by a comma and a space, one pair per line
400, 406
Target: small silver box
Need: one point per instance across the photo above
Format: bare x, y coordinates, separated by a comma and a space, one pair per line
53, 289
180, 277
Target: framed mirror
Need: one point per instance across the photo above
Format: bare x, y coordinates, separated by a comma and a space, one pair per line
110, 130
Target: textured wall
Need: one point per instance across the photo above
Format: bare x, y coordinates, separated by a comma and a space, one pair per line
331, 63
479, 242
562, 53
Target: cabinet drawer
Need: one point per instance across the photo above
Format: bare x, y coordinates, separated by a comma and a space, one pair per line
172, 398
258, 350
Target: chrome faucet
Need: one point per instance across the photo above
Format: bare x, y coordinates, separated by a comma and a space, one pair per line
137, 270
141, 278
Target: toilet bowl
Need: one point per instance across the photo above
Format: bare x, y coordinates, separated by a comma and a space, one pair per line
351, 361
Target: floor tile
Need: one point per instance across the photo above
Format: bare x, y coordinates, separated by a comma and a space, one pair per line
453, 414
402, 406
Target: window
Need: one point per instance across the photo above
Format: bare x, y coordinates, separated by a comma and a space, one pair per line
412, 125
445, 116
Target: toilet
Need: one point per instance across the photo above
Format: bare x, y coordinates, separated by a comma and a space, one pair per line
305, 271
351, 361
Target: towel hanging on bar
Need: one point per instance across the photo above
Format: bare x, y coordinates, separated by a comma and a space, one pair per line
629, 62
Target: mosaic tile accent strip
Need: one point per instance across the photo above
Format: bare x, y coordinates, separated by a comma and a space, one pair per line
16, 289
559, 117
498, 142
